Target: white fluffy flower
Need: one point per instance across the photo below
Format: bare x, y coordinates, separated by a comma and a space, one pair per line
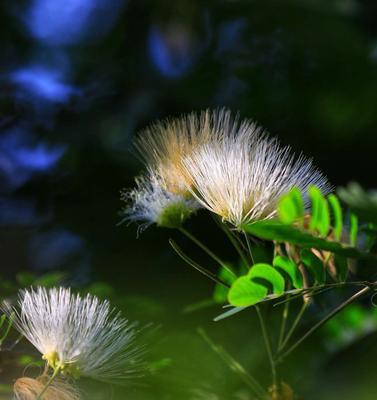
165, 143
241, 175
151, 203
78, 335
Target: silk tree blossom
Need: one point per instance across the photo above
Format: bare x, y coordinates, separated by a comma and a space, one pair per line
78, 336
149, 202
242, 175
164, 145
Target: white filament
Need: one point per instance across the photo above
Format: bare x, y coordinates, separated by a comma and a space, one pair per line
242, 175
82, 331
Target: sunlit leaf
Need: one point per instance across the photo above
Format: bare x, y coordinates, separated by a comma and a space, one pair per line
337, 216
353, 229
320, 217
244, 292
247, 290
268, 273
291, 206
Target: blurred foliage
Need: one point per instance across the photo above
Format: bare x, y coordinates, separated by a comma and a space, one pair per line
363, 203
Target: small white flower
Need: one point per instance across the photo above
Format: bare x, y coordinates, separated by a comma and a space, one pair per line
165, 143
79, 336
151, 203
241, 175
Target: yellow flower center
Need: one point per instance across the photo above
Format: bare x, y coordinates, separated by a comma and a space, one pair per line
55, 363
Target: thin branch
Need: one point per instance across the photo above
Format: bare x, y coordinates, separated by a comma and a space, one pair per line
206, 250
195, 265
294, 325
318, 325
235, 366
233, 240
284, 319
267, 345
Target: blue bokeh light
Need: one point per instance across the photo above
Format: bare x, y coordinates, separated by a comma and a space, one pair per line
65, 22
20, 158
43, 83
172, 51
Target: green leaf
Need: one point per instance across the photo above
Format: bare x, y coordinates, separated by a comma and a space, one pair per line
320, 216
296, 196
290, 268
220, 293
291, 206
353, 229
276, 231
363, 203
314, 264
268, 273
337, 216
245, 293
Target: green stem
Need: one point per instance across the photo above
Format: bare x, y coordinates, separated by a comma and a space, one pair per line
249, 247
195, 265
294, 326
283, 323
325, 319
233, 240
206, 250
10, 323
314, 291
53, 376
235, 366
267, 345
